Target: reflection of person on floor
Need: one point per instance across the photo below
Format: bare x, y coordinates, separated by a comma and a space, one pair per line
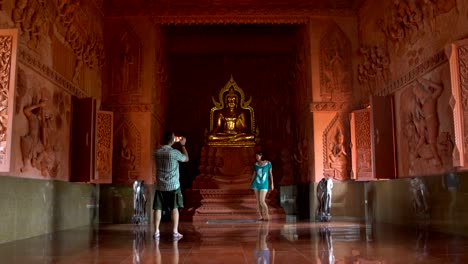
172, 257
138, 243
451, 182
262, 175
326, 244
262, 252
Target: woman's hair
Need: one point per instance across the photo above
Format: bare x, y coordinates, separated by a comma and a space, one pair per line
259, 153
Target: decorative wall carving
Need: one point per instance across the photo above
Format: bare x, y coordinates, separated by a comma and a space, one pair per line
30, 18
425, 144
373, 71
336, 152
8, 53
335, 66
42, 147
104, 144
127, 152
431, 63
126, 64
40, 67
405, 22
86, 43
330, 106
301, 157
69, 26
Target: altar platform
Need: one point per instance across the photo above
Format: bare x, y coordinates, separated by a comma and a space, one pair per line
222, 191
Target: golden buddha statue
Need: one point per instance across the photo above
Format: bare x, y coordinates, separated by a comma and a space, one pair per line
232, 121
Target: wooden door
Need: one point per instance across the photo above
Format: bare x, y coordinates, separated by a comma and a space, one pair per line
83, 139
361, 150
383, 137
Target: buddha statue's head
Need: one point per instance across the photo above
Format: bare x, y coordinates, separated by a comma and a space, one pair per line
231, 99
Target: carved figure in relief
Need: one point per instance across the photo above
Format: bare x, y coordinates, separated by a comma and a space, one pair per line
38, 27
66, 11
100, 55
301, 157
126, 62
31, 144
126, 154
338, 158
374, 69
334, 68
89, 51
429, 13
445, 144
427, 121
18, 13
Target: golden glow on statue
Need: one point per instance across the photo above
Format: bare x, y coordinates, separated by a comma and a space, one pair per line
232, 119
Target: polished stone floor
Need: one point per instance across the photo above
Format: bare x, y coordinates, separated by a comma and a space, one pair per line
241, 242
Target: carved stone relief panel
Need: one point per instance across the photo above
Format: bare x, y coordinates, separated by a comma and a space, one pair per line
31, 18
104, 146
335, 66
407, 20
127, 153
43, 125
459, 79
65, 35
126, 63
336, 152
373, 70
8, 53
425, 124
74, 25
361, 145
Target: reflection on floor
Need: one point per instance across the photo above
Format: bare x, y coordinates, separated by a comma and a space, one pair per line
234, 242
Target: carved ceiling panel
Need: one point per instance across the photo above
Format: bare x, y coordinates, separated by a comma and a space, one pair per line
227, 8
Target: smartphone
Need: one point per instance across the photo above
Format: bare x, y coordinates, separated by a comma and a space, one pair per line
177, 139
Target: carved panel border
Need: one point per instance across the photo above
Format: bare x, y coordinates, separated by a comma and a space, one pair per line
8, 52
104, 146
330, 106
36, 64
459, 82
327, 130
203, 20
361, 155
431, 63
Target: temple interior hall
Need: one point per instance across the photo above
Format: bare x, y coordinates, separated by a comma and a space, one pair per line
359, 105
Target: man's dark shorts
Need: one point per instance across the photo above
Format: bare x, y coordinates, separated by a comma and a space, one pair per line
168, 200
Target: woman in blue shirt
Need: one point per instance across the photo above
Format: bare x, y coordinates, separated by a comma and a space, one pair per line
261, 177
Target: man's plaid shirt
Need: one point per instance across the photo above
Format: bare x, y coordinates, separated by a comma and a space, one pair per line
167, 168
